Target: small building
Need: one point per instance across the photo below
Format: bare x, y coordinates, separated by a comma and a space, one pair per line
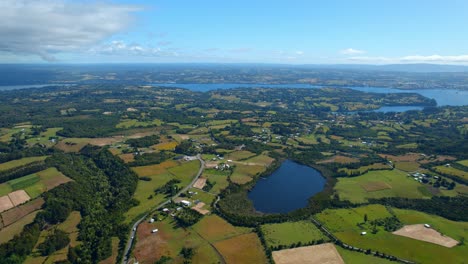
154, 230
427, 226
151, 220
363, 233
185, 203
166, 210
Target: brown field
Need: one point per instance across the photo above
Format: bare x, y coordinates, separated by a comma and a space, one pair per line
154, 169
7, 233
105, 141
5, 203
339, 159
199, 208
215, 228
200, 183
13, 215
151, 247
406, 157
56, 181
248, 244
422, 233
18, 197
70, 147
375, 186
127, 157
407, 166
324, 253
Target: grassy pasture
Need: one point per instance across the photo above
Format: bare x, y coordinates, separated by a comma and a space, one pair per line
452, 171
35, 184
245, 173
353, 257
20, 162
218, 178
407, 166
239, 155
375, 166
343, 223
289, 233
401, 186
463, 162
339, 220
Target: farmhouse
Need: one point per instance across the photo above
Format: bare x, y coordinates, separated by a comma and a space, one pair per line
185, 203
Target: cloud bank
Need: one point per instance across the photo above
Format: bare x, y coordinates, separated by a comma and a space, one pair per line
351, 51
43, 28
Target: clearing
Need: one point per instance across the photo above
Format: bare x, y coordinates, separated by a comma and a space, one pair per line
324, 253
289, 233
420, 232
248, 244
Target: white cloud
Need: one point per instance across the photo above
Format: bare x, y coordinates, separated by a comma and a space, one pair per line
44, 28
121, 48
299, 52
440, 59
351, 51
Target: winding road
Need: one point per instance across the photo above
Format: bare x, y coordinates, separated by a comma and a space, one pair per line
132, 233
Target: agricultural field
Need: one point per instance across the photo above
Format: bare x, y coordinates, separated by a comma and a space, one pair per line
245, 173
159, 176
20, 162
11, 216
289, 233
343, 223
218, 178
353, 257
239, 155
35, 184
214, 228
7, 233
44, 137
408, 166
324, 253
463, 162
248, 244
133, 123
452, 171
363, 169
379, 184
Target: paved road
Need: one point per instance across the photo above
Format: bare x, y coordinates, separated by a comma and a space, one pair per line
132, 234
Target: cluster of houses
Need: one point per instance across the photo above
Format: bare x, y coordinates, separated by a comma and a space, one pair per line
420, 177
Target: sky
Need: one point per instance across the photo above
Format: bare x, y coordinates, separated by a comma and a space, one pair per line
240, 31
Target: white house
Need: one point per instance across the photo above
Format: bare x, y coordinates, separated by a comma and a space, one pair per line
154, 230
185, 203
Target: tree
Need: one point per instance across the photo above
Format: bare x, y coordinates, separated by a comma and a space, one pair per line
365, 218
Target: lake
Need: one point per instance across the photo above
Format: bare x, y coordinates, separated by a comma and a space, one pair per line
288, 188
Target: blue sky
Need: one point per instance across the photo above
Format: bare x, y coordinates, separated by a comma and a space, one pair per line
295, 32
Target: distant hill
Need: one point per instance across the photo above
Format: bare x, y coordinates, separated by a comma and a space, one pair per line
416, 67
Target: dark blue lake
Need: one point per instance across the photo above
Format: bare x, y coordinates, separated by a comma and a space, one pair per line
386, 109
286, 189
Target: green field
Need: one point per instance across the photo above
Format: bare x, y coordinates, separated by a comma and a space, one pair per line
20, 162
245, 173
408, 166
452, 171
343, 224
185, 172
338, 220
463, 162
239, 155
218, 178
131, 123
400, 186
34, 184
353, 257
289, 233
